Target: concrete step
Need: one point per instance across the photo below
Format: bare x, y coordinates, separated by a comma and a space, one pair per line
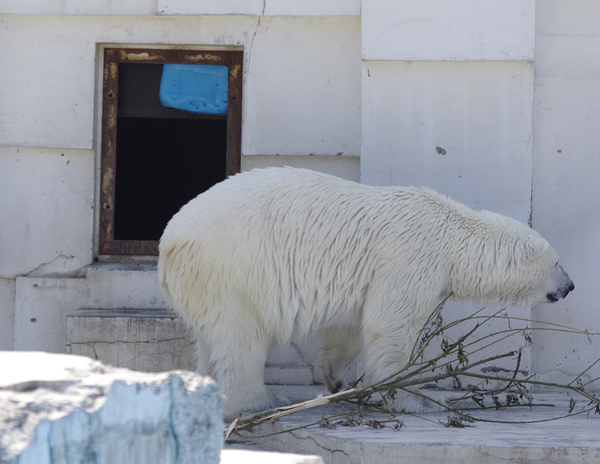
151, 340
241, 456
519, 435
123, 323
155, 340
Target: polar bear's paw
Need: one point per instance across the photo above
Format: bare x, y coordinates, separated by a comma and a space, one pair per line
413, 403
275, 401
250, 402
334, 381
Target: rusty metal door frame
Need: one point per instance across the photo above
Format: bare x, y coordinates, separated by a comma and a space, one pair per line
112, 57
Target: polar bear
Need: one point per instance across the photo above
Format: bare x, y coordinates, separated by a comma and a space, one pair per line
271, 255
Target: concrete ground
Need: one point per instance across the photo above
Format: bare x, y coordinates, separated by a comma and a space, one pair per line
516, 435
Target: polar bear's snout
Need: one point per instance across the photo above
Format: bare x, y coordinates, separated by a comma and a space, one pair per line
566, 286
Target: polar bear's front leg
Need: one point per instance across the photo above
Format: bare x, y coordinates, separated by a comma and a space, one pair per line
202, 350
388, 346
339, 347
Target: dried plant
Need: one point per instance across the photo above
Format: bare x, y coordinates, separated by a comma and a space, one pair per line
453, 363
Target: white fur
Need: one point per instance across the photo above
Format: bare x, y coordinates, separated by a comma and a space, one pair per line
274, 254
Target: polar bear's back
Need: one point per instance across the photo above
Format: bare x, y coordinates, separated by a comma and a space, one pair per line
296, 246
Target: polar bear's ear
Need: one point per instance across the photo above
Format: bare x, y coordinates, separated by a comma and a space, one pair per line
532, 246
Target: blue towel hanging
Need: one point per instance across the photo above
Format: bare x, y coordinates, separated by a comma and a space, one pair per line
197, 88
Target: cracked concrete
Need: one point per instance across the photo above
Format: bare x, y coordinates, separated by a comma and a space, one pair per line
44, 203
254, 35
156, 340
125, 323
58, 266
570, 36
148, 340
323, 448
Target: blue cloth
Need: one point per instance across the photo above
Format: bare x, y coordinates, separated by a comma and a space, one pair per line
197, 88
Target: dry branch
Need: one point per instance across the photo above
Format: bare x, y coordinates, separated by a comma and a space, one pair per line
452, 363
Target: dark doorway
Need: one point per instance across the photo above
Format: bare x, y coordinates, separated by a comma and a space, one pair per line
165, 156
155, 159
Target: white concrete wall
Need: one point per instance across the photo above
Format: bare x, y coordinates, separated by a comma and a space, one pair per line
438, 30
41, 308
463, 128
301, 86
566, 175
47, 198
43, 303
447, 99
184, 7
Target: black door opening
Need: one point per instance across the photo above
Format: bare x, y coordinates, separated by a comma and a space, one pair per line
165, 156
154, 159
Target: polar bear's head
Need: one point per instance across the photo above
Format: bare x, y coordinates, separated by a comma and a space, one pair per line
544, 279
518, 266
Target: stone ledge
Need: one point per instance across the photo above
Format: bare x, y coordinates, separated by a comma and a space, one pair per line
151, 340
240, 456
124, 312
531, 437
155, 340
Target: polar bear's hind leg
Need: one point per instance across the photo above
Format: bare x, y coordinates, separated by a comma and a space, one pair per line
238, 352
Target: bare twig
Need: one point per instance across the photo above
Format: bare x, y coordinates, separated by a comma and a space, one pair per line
452, 363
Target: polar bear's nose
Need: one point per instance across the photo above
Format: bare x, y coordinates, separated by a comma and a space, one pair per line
560, 293
568, 288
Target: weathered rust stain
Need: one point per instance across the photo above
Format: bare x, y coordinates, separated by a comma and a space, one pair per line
141, 57
113, 71
205, 58
107, 179
111, 118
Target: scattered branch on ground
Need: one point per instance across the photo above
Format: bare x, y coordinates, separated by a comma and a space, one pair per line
452, 364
